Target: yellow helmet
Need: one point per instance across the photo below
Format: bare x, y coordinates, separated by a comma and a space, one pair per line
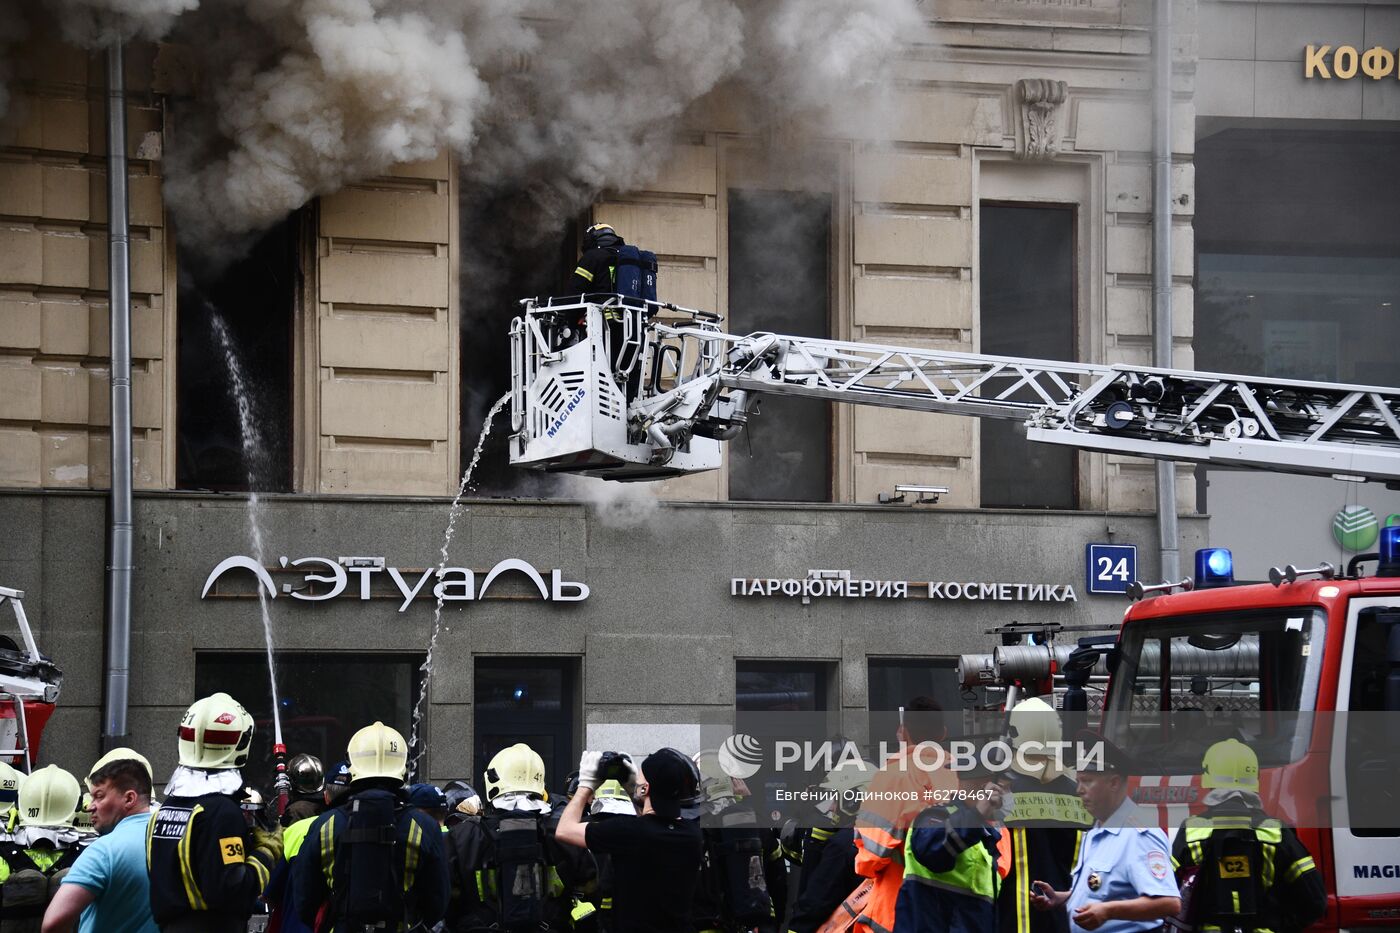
518, 769
1231, 764
1035, 725
82, 817
10, 783
715, 782
215, 734
612, 798
49, 797
377, 751
118, 754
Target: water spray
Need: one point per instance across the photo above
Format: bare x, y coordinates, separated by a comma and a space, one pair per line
415, 751
248, 430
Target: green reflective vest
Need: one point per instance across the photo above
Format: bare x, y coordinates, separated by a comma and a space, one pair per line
973, 873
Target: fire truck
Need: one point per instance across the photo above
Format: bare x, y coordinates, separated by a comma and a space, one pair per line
1305, 669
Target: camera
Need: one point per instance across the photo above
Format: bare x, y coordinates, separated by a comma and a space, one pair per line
615, 766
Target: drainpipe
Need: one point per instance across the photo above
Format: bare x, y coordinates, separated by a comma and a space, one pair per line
118, 621
1167, 537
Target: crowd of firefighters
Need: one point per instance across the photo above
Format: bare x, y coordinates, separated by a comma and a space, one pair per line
670, 843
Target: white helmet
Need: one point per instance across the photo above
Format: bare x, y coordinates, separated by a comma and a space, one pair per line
10, 783
518, 769
49, 797
118, 754
82, 817
215, 734
378, 751
1035, 725
715, 782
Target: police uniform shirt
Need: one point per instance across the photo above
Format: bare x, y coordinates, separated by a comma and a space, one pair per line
1124, 858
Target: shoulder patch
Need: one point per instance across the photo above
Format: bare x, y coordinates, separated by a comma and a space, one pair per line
1157, 864
231, 849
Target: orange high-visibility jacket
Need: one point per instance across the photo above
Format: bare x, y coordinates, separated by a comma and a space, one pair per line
900, 789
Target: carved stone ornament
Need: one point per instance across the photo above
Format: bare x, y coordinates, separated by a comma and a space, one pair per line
1040, 102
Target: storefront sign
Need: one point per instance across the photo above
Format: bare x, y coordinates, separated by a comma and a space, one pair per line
819, 584
455, 584
1344, 61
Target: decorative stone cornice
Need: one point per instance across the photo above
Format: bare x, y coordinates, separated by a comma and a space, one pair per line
1039, 101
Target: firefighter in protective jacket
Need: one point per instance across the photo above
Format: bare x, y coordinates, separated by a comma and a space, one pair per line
1252, 873
207, 868
35, 859
373, 862
508, 872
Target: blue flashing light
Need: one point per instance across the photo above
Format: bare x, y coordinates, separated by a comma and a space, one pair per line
1215, 566
1390, 552
520, 693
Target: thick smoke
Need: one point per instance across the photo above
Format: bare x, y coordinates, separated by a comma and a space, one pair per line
552, 102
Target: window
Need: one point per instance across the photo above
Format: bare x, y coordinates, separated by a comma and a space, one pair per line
1222, 676
255, 299
325, 699
1027, 301
787, 701
780, 281
894, 681
530, 700
1371, 755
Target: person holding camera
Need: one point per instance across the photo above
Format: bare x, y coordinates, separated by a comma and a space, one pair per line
656, 857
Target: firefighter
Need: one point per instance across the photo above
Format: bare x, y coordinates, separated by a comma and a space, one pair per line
950, 862
829, 853
34, 861
207, 868
1044, 823
742, 863
1252, 873
10, 783
308, 779
898, 792
596, 272
280, 894
514, 839
463, 802
373, 862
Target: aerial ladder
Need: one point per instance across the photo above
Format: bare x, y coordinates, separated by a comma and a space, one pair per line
653, 392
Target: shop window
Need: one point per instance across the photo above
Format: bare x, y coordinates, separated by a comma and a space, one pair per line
255, 298
324, 699
784, 701
894, 681
530, 700
780, 281
1027, 302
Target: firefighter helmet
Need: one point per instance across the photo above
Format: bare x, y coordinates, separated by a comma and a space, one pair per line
49, 797
306, 773
462, 798
715, 782
849, 776
612, 797
10, 783
215, 734
600, 235
1231, 765
1035, 728
518, 769
118, 754
82, 817
377, 751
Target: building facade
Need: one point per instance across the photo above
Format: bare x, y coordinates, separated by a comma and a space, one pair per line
1004, 206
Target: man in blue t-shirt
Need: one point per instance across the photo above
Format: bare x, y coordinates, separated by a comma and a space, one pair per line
108, 884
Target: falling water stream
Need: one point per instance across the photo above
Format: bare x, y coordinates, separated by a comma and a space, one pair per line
415, 750
252, 455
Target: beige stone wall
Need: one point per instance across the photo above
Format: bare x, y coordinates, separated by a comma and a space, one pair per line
906, 234
54, 373
378, 372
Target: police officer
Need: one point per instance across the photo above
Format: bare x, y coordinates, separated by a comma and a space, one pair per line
507, 871
43, 848
207, 868
1044, 822
373, 862
950, 862
1122, 881
1252, 873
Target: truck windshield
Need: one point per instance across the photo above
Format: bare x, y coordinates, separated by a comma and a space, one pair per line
1181, 685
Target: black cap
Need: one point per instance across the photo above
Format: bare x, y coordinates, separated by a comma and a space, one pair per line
1113, 759
670, 778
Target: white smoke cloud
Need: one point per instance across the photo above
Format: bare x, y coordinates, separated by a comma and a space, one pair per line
295, 98
622, 506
